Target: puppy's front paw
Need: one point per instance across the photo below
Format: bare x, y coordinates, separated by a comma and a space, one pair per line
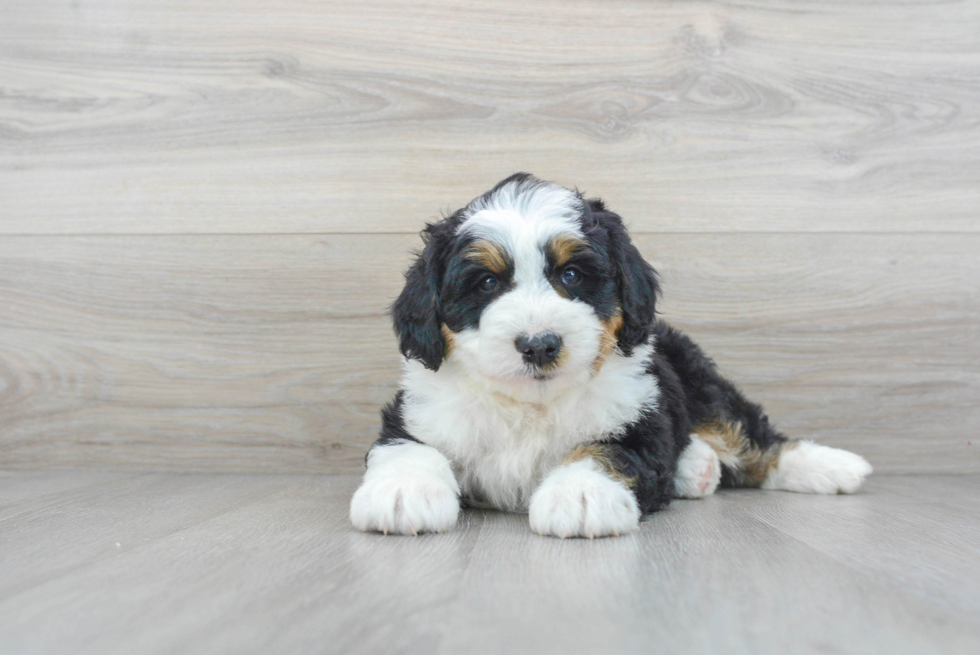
580, 500
404, 505
408, 488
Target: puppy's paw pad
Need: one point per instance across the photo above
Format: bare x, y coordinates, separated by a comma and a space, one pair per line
404, 505
579, 500
698, 470
811, 468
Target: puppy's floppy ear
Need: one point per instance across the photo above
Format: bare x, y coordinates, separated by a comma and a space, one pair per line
415, 313
638, 287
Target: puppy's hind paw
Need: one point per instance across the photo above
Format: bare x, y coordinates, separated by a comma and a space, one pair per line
698, 470
810, 468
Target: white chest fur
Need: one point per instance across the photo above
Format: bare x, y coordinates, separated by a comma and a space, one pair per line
501, 448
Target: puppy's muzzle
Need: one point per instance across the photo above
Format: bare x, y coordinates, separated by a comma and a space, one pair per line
540, 350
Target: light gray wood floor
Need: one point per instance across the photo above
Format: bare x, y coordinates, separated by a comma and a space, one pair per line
97, 562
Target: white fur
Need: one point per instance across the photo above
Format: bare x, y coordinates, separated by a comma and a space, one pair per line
502, 447
580, 500
408, 488
521, 217
489, 352
698, 470
815, 469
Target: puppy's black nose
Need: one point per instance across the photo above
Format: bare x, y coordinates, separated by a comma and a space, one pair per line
541, 349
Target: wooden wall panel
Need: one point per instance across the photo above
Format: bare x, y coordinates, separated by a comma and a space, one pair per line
272, 352
205, 207
275, 116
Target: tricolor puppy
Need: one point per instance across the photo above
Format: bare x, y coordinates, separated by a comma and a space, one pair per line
538, 379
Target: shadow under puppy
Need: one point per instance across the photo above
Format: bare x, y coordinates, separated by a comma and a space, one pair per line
538, 379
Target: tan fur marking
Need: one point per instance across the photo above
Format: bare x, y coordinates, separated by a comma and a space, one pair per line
750, 465
599, 453
449, 337
607, 343
489, 254
563, 247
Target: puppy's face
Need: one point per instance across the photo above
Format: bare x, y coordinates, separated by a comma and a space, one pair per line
527, 288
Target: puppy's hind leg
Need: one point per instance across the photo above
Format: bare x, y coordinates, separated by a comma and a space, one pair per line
752, 452
788, 465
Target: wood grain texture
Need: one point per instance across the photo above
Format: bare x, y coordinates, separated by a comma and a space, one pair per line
273, 353
173, 116
214, 563
205, 208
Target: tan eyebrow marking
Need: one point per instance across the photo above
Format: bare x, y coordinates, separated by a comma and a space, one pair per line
489, 254
564, 246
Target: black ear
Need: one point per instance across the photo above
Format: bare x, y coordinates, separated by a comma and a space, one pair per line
638, 287
416, 312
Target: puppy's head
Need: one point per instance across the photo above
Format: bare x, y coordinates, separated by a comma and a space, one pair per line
528, 286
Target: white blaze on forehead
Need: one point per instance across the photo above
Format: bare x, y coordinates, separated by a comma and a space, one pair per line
523, 218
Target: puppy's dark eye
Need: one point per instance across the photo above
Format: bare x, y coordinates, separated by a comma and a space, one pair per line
571, 276
488, 284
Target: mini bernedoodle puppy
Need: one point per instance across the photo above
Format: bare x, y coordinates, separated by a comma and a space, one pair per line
537, 378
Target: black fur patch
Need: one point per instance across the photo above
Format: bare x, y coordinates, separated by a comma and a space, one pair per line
392, 423
462, 298
597, 287
415, 313
636, 281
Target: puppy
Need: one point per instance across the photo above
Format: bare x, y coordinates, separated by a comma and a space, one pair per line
537, 378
